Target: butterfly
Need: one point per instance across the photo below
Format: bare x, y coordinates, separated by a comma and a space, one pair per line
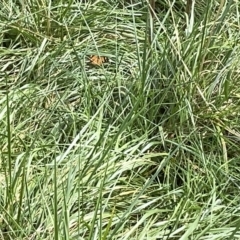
98, 60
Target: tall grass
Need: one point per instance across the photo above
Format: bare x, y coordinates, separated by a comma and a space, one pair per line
143, 147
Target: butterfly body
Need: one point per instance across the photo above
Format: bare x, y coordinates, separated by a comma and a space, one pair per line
98, 60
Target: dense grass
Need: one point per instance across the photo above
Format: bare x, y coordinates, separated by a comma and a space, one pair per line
143, 147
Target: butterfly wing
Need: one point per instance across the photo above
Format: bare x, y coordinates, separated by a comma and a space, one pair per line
98, 60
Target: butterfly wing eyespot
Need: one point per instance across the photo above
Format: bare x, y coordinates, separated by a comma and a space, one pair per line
98, 60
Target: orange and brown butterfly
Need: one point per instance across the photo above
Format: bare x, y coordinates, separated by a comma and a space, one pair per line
98, 60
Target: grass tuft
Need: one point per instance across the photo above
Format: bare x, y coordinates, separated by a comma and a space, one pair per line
144, 146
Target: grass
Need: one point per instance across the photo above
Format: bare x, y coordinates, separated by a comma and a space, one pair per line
143, 147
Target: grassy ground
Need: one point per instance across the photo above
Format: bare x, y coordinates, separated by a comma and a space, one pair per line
145, 146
